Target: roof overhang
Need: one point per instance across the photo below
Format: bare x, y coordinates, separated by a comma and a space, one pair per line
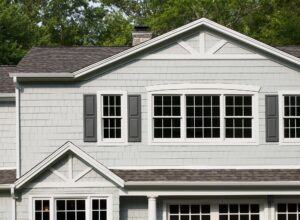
7, 97
203, 22
67, 147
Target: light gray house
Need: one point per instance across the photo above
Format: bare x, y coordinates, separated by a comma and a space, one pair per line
201, 123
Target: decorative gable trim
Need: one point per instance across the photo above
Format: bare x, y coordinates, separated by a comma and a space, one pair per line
68, 147
198, 23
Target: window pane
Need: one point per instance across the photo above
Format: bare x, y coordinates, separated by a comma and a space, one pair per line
239, 211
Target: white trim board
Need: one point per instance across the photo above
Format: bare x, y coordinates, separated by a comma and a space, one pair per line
188, 27
237, 167
68, 147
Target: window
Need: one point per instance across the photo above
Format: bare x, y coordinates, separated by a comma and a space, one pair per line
99, 209
202, 116
238, 116
70, 209
291, 116
111, 116
41, 209
210, 117
82, 208
112, 120
239, 212
288, 211
189, 212
167, 116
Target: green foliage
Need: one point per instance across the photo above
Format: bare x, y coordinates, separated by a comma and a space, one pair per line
16, 32
24, 23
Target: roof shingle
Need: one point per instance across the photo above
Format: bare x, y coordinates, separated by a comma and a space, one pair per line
64, 59
206, 175
7, 176
6, 82
291, 49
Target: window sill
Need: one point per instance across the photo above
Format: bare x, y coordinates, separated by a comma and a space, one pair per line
208, 142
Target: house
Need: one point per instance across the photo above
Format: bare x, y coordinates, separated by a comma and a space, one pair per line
200, 123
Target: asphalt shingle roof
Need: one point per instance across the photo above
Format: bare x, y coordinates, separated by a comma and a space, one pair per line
64, 59
7, 176
291, 49
206, 175
6, 82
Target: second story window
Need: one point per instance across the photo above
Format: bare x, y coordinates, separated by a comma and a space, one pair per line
203, 116
238, 116
291, 116
167, 116
112, 118
185, 114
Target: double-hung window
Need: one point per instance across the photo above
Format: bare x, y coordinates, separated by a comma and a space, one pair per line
203, 116
112, 117
85, 208
291, 116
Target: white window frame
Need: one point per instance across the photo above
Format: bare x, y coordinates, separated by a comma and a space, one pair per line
282, 200
282, 139
88, 204
207, 89
214, 205
124, 125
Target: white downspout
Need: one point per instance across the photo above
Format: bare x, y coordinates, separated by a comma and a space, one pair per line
13, 203
17, 91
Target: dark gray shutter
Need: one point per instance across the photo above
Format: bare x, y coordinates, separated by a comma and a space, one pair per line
134, 118
272, 119
90, 118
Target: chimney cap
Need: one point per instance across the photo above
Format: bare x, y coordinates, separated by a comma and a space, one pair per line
140, 28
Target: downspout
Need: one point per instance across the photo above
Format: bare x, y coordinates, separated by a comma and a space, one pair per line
17, 91
14, 203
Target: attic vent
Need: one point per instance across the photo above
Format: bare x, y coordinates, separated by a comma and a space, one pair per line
140, 35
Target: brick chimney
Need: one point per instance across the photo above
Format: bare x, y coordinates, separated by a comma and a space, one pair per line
140, 35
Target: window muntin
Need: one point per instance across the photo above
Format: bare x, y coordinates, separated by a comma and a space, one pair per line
167, 116
202, 116
99, 209
189, 212
288, 211
239, 212
238, 116
41, 209
70, 209
291, 116
111, 116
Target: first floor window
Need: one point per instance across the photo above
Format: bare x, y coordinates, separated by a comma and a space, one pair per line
288, 211
111, 116
41, 209
99, 209
189, 212
291, 116
70, 209
239, 211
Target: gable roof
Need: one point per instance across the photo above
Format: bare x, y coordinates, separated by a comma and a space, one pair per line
67, 147
63, 59
6, 82
158, 40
